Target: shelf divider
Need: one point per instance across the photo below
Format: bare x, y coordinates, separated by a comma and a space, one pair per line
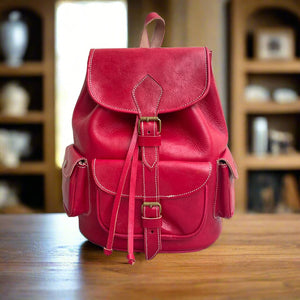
25, 168
32, 117
272, 66
273, 162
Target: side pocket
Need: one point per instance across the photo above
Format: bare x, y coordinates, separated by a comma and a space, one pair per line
225, 195
75, 185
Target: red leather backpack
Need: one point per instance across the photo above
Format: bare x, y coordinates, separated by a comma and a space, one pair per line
150, 170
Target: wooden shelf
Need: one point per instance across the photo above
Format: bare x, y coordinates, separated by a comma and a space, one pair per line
278, 66
273, 162
36, 76
31, 117
25, 168
26, 69
271, 107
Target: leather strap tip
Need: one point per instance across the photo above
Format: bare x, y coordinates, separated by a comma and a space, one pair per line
107, 251
131, 259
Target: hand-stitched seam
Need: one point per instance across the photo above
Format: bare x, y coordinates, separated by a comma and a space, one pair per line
137, 85
146, 237
229, 199
133, 95
144, 183
159, 98
143, 196
158, 238
89, 191
156, 181
144, 150
72, 199
145, 159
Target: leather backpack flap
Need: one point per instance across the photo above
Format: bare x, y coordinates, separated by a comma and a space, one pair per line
182, 75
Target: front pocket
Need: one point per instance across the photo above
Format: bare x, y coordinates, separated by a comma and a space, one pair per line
183, 190
225, 195
75, 187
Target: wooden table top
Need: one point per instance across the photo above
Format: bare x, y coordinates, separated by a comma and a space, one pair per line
45, 257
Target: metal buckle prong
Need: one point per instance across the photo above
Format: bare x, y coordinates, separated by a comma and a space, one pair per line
151, 204
149, 119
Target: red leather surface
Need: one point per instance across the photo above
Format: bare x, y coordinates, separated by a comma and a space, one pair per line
180, 168
225, 195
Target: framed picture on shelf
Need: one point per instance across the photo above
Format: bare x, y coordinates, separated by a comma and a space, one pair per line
274, 43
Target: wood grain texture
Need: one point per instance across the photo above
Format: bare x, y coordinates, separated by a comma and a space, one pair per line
45, 257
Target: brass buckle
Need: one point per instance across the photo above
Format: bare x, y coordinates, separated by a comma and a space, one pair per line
148, 119
151, 204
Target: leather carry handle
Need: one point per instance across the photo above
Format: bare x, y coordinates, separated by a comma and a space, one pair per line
158, 34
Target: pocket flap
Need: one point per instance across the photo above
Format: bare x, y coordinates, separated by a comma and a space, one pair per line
72, 158
176, 178
227, 159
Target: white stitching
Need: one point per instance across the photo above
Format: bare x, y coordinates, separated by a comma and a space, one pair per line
133, 110
141, 196
144, 183
89, 188
158, 238
145, 160
137, 85
146, 239
144, 150
156, 180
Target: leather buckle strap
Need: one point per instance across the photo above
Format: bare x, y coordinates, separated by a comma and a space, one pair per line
149, 119
149, 141
151, 204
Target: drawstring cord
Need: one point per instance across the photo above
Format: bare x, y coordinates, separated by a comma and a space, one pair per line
131, 206
131, 161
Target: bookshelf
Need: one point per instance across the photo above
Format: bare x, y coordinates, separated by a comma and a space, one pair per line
246, 18
35, 177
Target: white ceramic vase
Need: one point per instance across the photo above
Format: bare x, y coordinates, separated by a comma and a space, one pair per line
14, 39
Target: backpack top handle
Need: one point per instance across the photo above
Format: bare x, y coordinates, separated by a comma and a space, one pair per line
158, 34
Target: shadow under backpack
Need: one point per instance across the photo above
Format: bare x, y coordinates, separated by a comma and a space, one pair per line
149, 170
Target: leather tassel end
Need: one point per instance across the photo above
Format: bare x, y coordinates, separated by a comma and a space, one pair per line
107, 251
131, 259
